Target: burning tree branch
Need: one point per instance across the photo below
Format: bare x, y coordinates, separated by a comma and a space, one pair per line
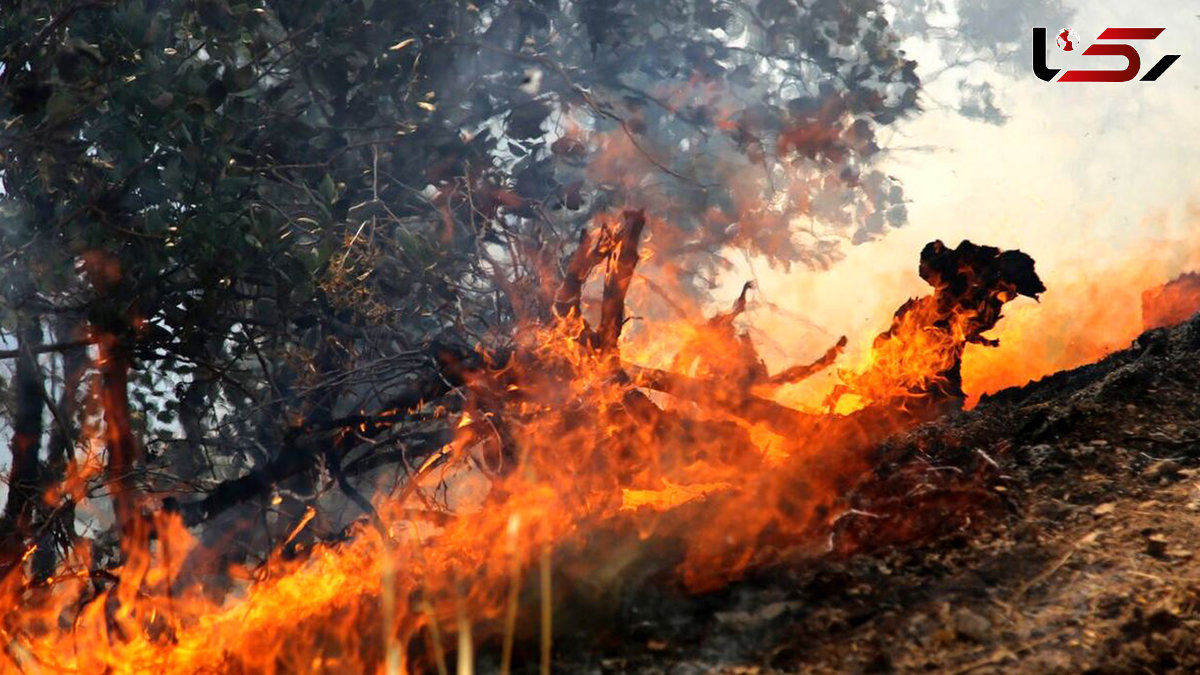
585, 448
587, 255
622, 262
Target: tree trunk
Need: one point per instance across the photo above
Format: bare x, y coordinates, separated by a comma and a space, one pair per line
123, 448
26, 442
60, 525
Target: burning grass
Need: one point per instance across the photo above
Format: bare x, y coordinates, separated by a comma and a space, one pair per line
570, 467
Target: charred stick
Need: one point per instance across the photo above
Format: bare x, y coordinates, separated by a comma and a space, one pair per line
26, 443
299, 453
739, 306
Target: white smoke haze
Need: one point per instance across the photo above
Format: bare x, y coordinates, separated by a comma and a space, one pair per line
1088, 178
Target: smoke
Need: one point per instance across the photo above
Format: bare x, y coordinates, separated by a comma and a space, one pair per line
1092, 180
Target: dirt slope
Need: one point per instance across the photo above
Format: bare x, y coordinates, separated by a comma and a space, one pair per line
1055, 528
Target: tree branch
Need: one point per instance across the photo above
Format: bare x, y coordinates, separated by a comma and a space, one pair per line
616, 282
45, 349
44, 34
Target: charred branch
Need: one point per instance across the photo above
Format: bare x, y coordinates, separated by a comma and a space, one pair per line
301, 443
616, 282
58, 525
738, 402
585, 258
804, 371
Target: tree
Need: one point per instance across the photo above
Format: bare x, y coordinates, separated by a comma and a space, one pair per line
975, 32
279, 226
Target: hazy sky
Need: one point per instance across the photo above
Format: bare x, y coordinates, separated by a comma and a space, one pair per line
1082, 176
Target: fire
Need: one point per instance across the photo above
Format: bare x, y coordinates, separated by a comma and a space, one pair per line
1171, 303
1094, 310
669, 496
920, 357
570, 439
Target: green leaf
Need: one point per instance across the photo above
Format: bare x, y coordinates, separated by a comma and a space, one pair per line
172, 174
60, 106
327, 189
134, 151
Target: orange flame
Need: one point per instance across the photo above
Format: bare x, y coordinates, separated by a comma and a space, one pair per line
586, 452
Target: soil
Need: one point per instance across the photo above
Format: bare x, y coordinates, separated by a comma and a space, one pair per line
1055, 528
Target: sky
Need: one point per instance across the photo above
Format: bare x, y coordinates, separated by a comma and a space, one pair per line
1094, 180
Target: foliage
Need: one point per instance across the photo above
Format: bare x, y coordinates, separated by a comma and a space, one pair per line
274, 211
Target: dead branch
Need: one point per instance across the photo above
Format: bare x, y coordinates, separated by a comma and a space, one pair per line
737, 401
302, 443
801, 372
585, 258
739, 306
616, 282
